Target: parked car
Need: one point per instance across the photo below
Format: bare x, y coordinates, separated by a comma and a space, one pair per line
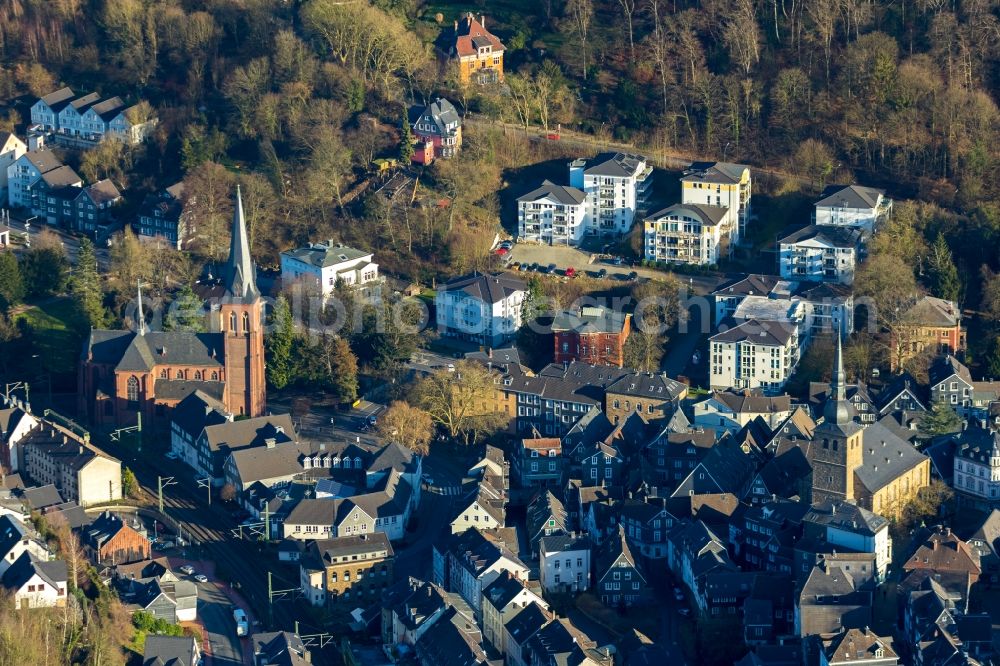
428, 479
186, 569
171, 455
516, 266
632, 276
601, 274
507, 244
503, 250
570, 272
242, 626
201, 578
678, 594
551, 268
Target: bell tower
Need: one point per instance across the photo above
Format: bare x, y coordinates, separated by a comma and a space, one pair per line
241, 315
837, 449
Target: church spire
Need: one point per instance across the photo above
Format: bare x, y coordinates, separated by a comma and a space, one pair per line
838, 409
239, 276
140, 317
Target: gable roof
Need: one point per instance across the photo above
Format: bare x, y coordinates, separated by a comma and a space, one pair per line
749, 402
948, 366
58, 98
615, 549
40, 497
503, 590
859, 644
142, 353
61, 176
943, 551
325, 254
170, 651
279, 648
250, 432
621, 165
753, 284
849, 196
43, 159
21, 571
846, 516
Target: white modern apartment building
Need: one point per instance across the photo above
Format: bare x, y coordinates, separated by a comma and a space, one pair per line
720, 184
34, 173
689, 233
829, 306
324, 264
81, 121
820, 253
977, 466
616, 186
552, 214
484, 309
754, 355
792, 312
854, 206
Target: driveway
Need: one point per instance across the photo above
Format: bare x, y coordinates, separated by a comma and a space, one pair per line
216, 612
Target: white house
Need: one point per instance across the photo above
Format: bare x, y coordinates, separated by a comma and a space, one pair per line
324, 264
853, 528
81, 121
720, 184
732, 410
553, 214
502, 600
754, 354
616, 185
45, 111
481, 308
977, 466
34, 172
564, 563
690, 233
482, 510
11, 149
15, 423
35, 583
17, 538
853, 206
821, 253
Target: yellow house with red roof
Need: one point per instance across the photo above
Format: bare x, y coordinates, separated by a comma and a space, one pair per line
478, 51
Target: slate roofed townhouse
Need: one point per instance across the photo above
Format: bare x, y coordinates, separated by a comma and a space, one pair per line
553, 215
951, 382
89, 210
856, 206
502, 599
540, 462
279, 648
437, 128
171, 651
478, 52
326, 264
720, 184
821, 253
36, 583
162, 216
728, 410
653, 397
17, 538
617, 186
564, 563
620, 578
467, 563
349, 571
110, 540
484, 309
689, 233
32, 174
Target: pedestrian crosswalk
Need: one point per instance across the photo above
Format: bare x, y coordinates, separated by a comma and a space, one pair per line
449, 490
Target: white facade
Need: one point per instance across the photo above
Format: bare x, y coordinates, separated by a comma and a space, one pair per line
322, 265
853, 206
484, 309
880, 544
22, 174
87, 118
474, 515
11, 150
690, 233
26, 544
494, 617
754, 355
470, 585
714, 414
552, 214
813, 254
562, 570
616, 186
978, 475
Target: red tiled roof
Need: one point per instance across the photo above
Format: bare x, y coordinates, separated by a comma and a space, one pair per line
470, 29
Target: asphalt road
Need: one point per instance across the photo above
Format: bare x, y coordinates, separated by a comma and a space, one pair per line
70, 243
216, 613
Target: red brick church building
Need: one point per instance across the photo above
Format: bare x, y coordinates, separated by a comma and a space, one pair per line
127, 373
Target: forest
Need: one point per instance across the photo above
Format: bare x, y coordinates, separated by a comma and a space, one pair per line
295, 100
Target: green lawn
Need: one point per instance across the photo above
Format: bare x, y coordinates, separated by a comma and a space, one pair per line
53, 338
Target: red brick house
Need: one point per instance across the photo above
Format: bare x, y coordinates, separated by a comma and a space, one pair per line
110, 540
593, 335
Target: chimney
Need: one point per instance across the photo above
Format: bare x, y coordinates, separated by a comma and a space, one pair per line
36, 142
482, 20
456, 25
270, 442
